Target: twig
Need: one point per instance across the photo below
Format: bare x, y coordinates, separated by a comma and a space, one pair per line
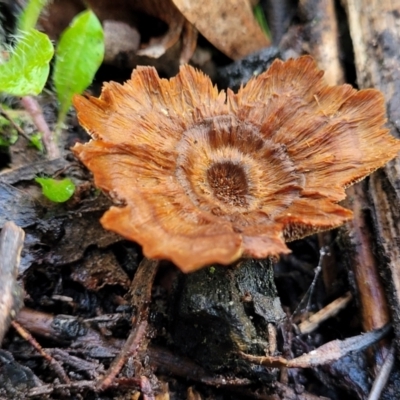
58, 369
48, 389
325, 354
141, 295
20, 131
383, 376
322, 315
90, 368
33, 107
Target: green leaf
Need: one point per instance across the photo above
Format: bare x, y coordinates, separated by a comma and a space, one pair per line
79, 54
4, 123
36, 141
8, 135
57, 191
26, 71
261, 19
29, 17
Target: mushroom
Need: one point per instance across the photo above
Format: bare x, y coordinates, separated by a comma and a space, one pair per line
201, 176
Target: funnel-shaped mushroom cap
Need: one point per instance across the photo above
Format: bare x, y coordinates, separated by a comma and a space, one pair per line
205, 177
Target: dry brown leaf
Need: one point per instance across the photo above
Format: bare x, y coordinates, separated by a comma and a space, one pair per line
229, 25
206, 177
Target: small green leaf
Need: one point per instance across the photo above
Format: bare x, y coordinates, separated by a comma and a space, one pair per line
36, 141
26, 71
57, 191
79, 54
29, 17
6, 141
261, 19
4, 123
8, 135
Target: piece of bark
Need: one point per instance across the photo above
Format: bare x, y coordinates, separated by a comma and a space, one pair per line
11, 296
374, 32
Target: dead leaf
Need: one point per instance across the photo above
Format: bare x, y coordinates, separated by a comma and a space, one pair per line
229, 25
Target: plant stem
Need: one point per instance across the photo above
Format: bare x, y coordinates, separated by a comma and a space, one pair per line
49, 140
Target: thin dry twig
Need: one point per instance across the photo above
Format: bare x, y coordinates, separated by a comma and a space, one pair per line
7, 116
383, 375
322, 315
48, 389
58, 369
325, 354
90, 368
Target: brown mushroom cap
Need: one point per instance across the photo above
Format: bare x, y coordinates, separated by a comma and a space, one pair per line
207, 177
